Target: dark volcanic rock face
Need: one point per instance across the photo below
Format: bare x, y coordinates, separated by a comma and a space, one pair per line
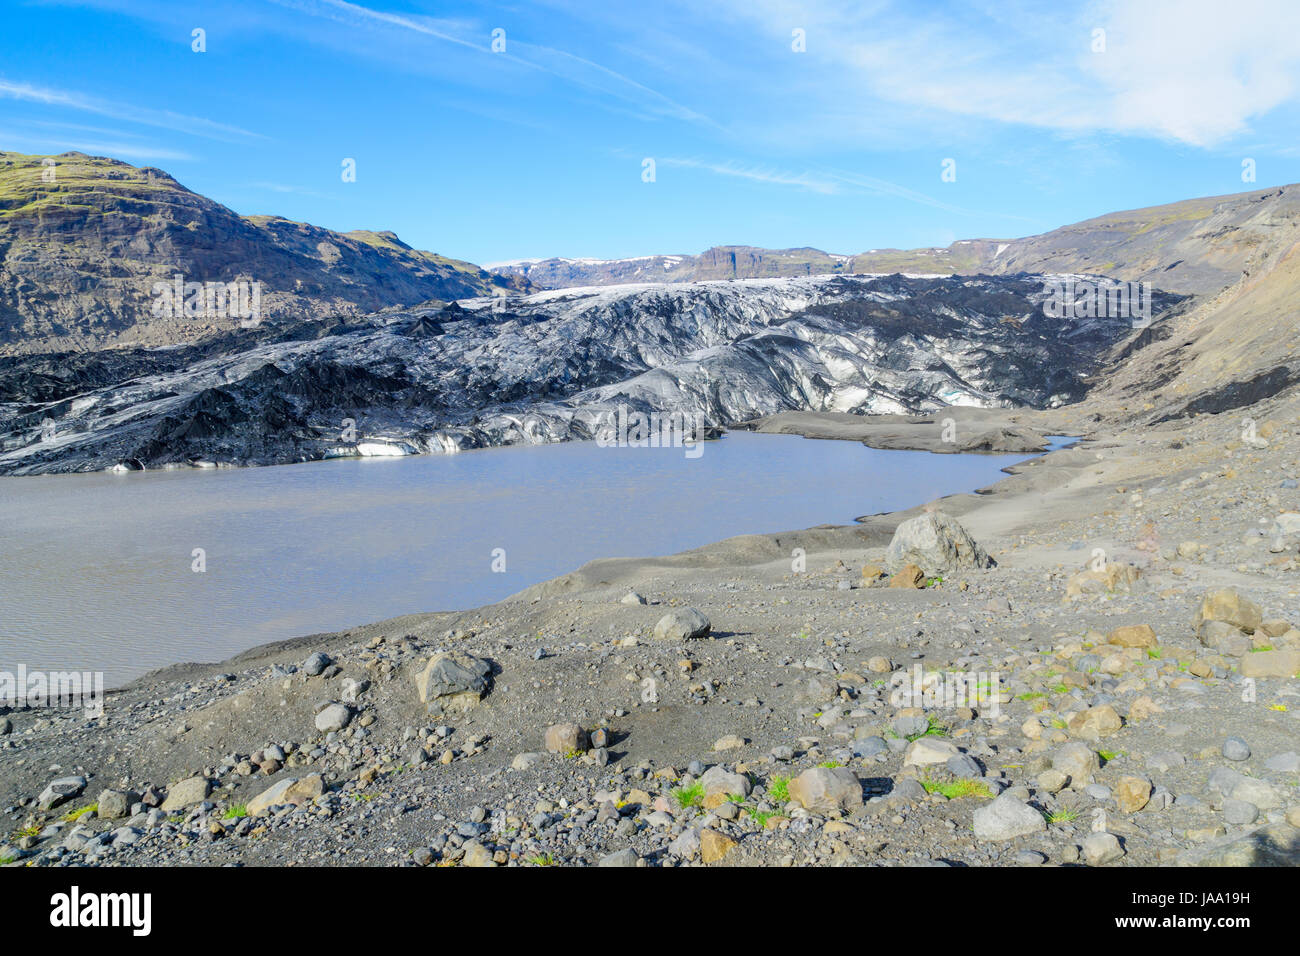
550, 367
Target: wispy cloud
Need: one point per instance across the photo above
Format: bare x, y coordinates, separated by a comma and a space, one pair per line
818, 180
163, 119
758, 174
39, 143
286, 188
1196, 72
564, 65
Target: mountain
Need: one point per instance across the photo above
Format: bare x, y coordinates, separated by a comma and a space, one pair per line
549, 367
720, 262
84, 240
1192, 246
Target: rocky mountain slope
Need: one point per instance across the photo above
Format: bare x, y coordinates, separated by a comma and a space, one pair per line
550, 367
84, 239
1193, 246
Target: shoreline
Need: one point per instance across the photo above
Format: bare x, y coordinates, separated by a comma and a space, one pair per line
1095, 714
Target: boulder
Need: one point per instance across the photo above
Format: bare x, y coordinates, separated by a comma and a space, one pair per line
908, 576
453, 682
333, 717
114, 804
59, 790
682, 624
714, 845
927, 751
1219, 634
1096, 722
1006, 817
718, 781
288, 791
1133, 635
1112, 578
1270, 664
936, 543
625, 857
1078, 761
1132, 794
566, 738
186, 793
1101, 848
314, 665
1230, 606
1277, 844
823, 789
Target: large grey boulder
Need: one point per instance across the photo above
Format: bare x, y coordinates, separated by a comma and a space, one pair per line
682, 624
57, 791
935, 543
333, 717
1006, 818
186, 793
453, 682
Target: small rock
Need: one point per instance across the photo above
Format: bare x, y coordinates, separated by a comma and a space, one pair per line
566, 738
333, 717
1101, 848
715, 845
1234, 748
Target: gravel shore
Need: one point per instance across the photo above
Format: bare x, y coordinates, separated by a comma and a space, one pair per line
1132, 635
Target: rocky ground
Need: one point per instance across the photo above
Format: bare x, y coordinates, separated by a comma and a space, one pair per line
1137, 615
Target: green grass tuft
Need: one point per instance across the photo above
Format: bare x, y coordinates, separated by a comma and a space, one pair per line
691, 796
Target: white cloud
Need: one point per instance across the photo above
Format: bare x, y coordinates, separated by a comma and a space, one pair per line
1193, 71
165, 119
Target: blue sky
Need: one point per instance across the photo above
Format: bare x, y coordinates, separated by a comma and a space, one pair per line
538, 149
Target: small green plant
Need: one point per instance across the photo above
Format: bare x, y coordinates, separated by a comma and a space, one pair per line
691, 796
956, 789
1060, 689
933, 728
572, 754
6, 860
778, 788
1266, 647
1062, 816
760, 816
1031, 695
1058, 723
736, 798
542, 859
27, 831
235, 812
933, 582
1109, 755
74, 815
1153, 653
830, 764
